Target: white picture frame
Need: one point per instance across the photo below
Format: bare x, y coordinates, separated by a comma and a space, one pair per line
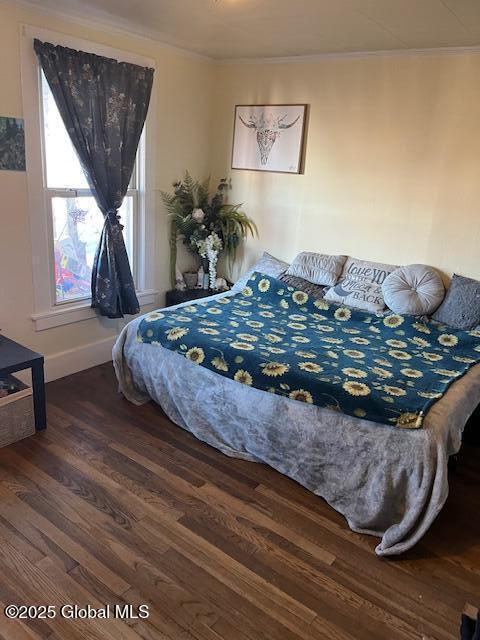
269, 137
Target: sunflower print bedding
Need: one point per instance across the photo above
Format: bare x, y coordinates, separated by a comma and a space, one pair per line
387, 369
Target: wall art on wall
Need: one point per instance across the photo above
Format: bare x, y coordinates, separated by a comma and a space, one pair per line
12, 144
269, 137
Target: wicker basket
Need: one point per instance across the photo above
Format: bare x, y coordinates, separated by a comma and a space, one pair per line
16, 414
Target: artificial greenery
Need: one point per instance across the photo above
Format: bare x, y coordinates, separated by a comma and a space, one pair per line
194, 215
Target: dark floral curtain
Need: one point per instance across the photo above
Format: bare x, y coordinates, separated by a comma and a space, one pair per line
103, 104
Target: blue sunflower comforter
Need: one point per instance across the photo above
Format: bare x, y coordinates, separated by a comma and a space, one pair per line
387, 369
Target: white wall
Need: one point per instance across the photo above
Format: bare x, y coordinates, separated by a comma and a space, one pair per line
182, 127
392, 160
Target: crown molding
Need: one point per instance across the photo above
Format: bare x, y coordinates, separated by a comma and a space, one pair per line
108, 24
381, 53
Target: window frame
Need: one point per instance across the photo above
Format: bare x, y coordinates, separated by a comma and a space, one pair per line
47, 311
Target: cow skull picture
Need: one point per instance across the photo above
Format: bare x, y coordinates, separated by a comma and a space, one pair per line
269, 137
267, 130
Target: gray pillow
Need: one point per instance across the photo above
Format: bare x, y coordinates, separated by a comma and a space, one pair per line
461, 306
317, 268
360, 285
267, 264
415, 290
314, 290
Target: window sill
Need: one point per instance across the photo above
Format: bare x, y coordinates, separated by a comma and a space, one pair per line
67, 314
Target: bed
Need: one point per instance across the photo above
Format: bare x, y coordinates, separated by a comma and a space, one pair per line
387, 481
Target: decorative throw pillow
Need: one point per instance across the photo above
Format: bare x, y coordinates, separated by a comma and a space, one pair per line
267, 264
360, 285
461, 306
314, 290
317, 268
416, 290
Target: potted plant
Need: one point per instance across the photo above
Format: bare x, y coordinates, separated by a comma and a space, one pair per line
207, 225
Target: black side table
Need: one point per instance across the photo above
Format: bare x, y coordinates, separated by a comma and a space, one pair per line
175, 296
15, 357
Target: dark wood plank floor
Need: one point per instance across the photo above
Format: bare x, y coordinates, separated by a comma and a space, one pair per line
115, 504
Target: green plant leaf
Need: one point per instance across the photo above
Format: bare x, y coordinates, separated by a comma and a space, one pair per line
230, 223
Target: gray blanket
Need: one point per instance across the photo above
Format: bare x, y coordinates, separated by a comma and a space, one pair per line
387, 482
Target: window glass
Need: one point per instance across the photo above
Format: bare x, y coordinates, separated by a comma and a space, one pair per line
63, 169
77, 226
76, 220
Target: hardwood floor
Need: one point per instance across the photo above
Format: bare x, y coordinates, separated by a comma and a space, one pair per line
115, 504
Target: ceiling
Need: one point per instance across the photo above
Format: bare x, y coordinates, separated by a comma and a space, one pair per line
275, 28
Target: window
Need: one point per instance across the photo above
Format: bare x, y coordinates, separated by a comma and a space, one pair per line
76, 221
65, 223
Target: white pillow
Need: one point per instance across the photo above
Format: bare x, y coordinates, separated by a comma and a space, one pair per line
267, 264
415, 290
317, 268
360, 285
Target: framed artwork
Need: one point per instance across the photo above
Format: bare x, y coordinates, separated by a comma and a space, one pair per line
12, 144
269, 137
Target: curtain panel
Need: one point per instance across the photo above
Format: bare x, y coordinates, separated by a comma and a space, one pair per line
103, 104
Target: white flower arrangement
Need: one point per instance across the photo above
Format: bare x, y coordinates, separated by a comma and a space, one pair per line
195, 214
210, 248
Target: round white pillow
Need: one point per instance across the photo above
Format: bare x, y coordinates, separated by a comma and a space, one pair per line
415, 290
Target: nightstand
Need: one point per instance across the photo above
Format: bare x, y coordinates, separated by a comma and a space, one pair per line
175, 296
15, 357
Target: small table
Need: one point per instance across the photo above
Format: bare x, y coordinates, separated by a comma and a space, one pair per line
15, 357
175, 296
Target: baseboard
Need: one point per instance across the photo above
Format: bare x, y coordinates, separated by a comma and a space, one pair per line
89, 355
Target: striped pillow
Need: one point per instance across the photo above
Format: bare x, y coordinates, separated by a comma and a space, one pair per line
314, 290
